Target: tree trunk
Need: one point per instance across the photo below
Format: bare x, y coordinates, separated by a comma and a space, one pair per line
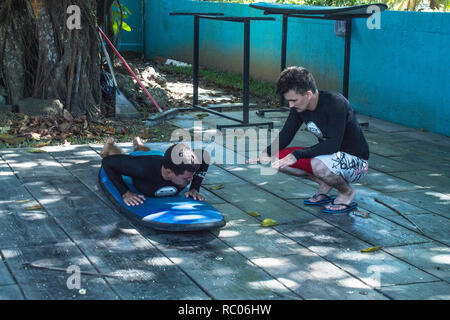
41, 57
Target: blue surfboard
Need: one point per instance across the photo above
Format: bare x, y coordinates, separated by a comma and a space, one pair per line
174, 213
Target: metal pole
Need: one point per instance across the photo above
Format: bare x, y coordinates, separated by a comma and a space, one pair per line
348, 37
246, 70
283, 49
196, 58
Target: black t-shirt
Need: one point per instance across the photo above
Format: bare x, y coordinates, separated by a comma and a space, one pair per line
145, 172
334, 124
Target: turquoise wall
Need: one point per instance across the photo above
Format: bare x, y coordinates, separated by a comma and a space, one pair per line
398, 73
134, 40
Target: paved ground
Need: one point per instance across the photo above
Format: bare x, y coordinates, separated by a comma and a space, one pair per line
308, 255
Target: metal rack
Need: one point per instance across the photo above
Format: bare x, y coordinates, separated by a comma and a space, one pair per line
244, 122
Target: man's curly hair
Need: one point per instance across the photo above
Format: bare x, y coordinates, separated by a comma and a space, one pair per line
296, 78
181, 158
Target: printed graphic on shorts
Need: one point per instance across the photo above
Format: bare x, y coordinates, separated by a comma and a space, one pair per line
353, 168
312, 127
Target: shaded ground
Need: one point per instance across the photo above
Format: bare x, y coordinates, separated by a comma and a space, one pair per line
53, 214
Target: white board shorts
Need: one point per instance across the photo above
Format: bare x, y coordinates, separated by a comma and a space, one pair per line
349, 167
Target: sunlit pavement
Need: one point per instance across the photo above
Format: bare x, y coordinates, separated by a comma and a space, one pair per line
54, 216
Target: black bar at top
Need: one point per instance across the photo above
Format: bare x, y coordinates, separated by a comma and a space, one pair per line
236, 19
195, 14
325, 17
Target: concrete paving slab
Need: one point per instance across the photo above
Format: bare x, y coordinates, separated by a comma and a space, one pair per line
365, 197
374, 230
245, 234
423, 162
303, 139
385, 125
385, 150
419, 291
10, 292
427, 137
434, 226
20, 225
52, 285
62, 196
5, 275
430, 179
278, 183
217, 175
225, 273
428, 200
374, 135
387, 182
432, 257
314, 278
256, 199
377, 269
389, 165
322, 253
427, 148
144, 272
26, 164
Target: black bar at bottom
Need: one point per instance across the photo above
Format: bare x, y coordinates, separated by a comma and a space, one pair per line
269, 124
218, 113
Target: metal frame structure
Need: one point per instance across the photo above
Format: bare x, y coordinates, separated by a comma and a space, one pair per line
246, 67
316, 15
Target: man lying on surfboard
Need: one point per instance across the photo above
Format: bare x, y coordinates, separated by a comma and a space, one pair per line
155, 175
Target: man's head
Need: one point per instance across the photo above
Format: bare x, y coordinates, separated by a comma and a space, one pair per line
297, 86
180, 163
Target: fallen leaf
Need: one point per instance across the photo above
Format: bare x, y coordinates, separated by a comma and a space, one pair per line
253, 213
218, 187
202, 115
34, 150
22, 201
269, 222
43, 144
371, 249
35, 136
34, 207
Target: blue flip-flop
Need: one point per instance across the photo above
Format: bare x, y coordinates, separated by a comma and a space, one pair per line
348, 208
325, 200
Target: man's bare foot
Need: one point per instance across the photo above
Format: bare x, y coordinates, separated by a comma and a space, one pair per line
320, 195
110, 149
138, 145
342, 198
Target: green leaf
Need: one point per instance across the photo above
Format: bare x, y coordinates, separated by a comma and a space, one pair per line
218, 187
126, 27
253, 213
371, 249
115, 27
269, 222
